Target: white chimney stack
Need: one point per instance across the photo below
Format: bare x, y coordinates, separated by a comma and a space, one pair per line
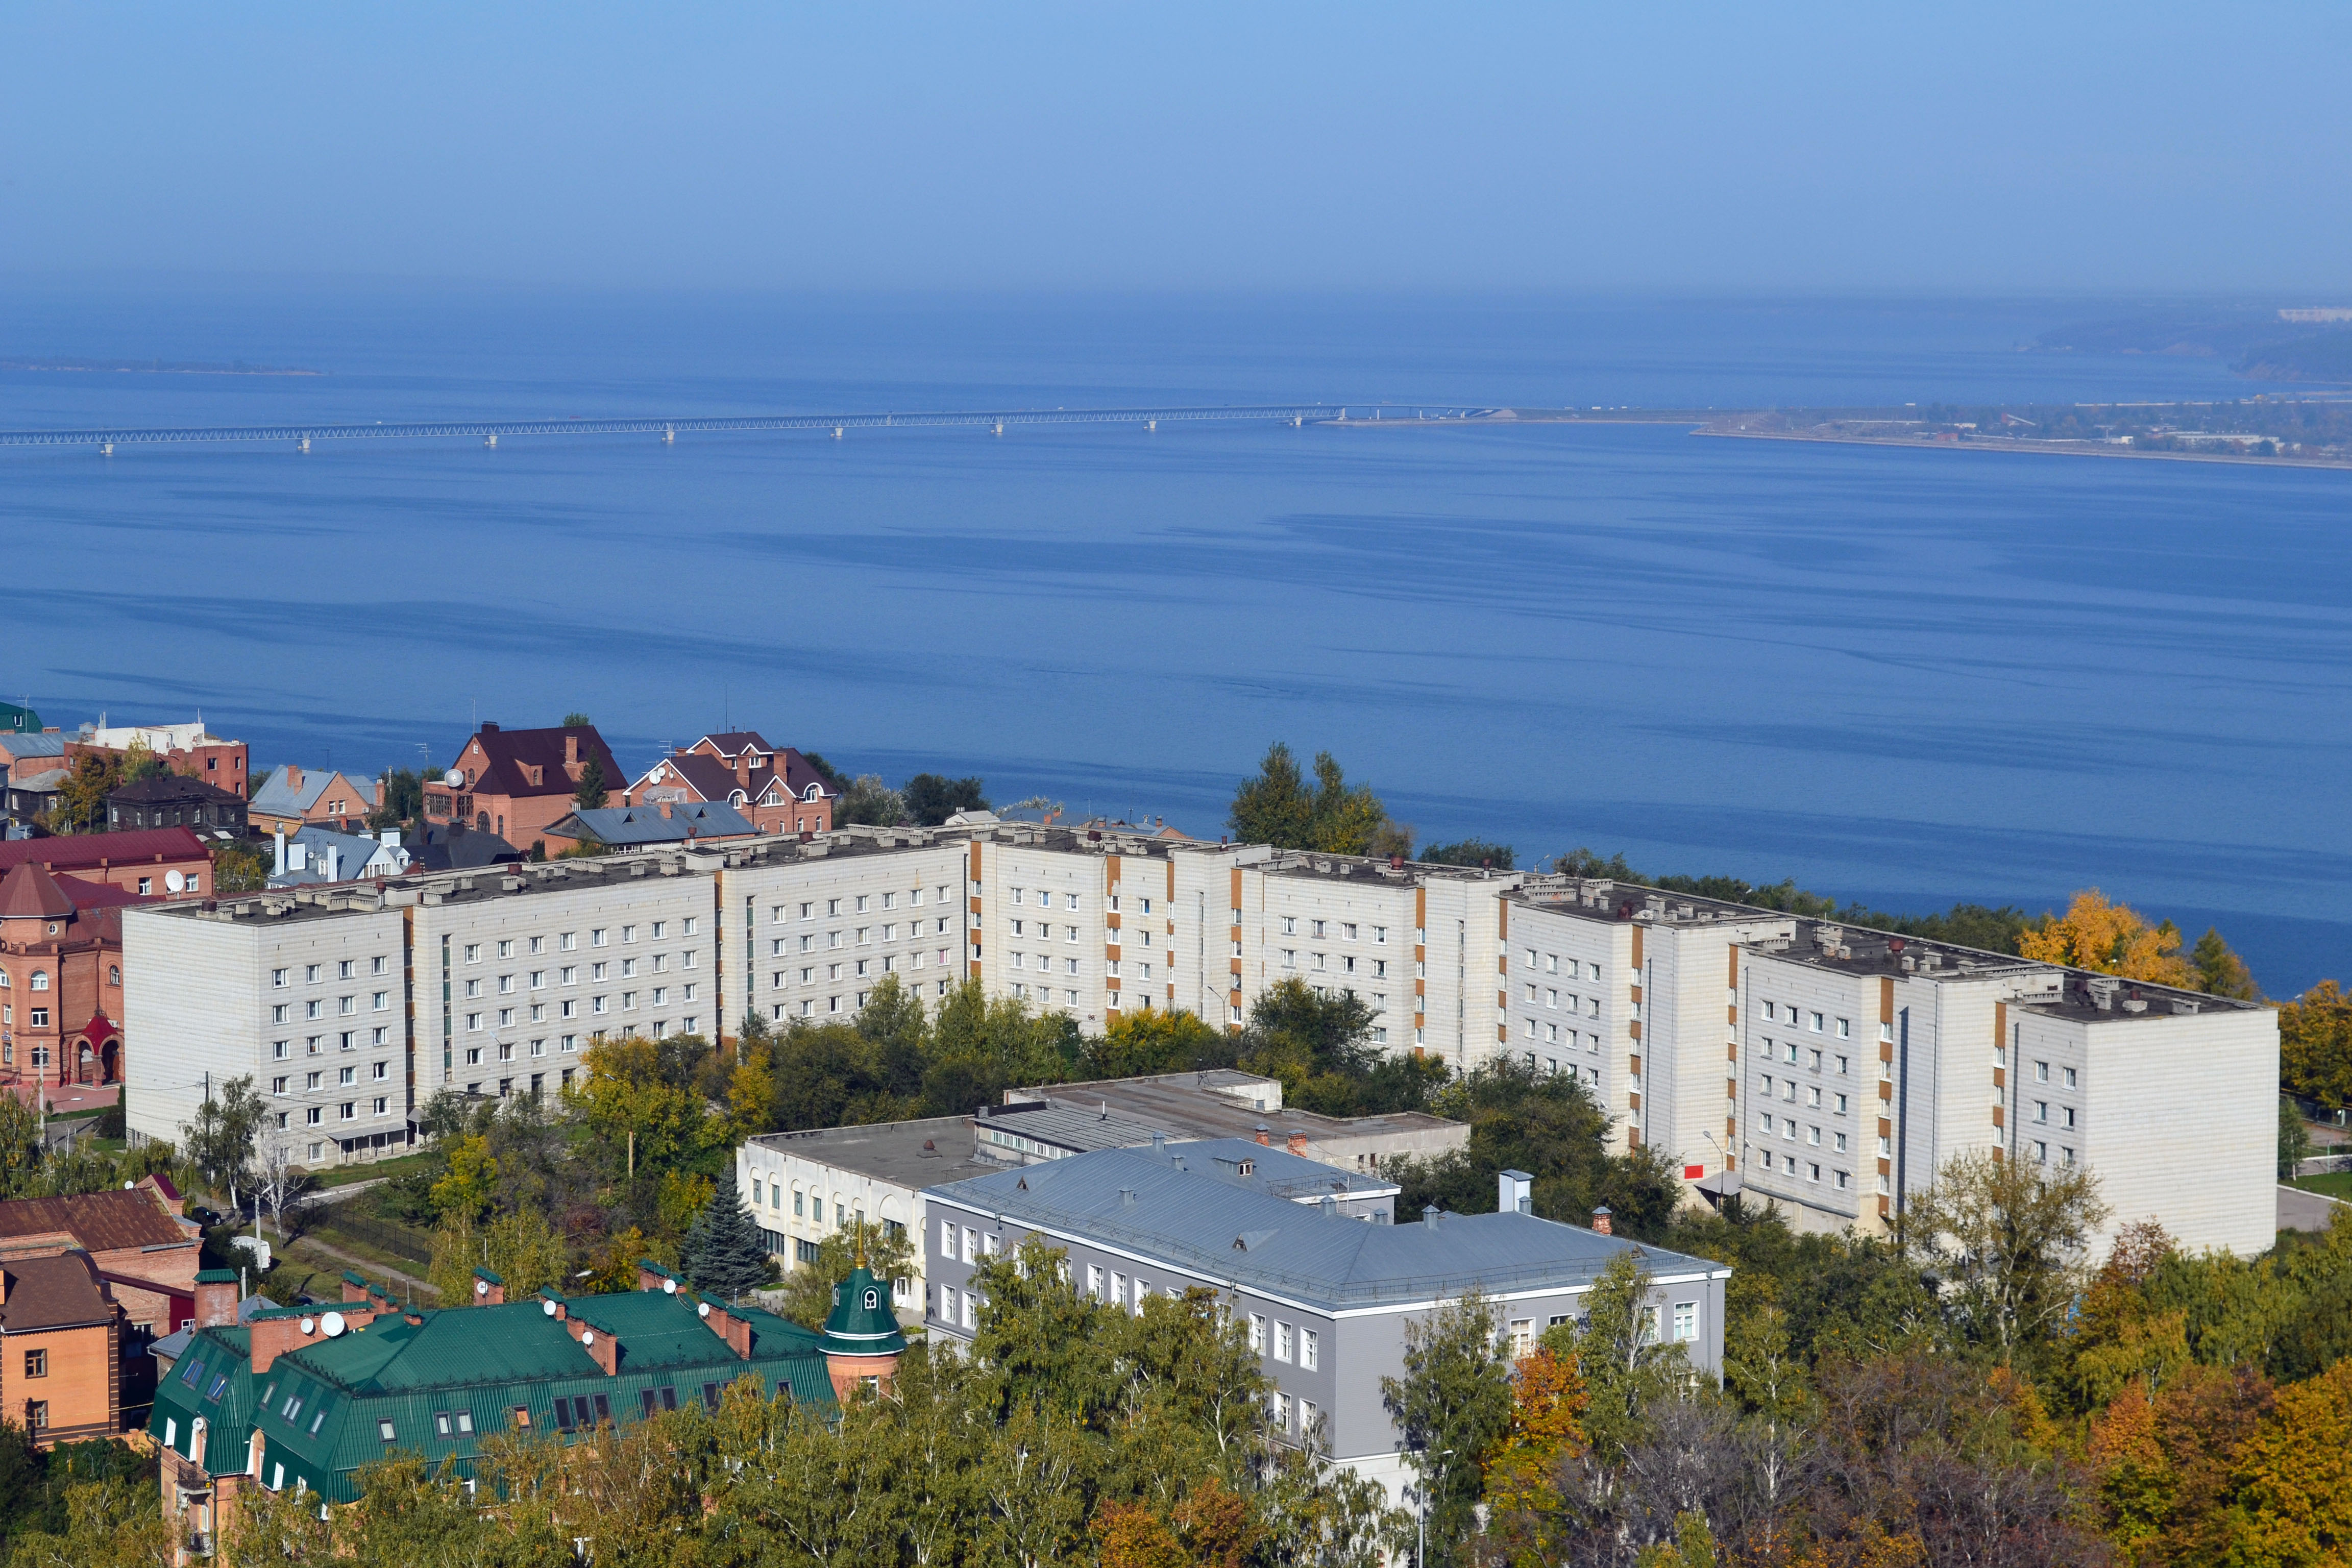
282, 849
1514, 1192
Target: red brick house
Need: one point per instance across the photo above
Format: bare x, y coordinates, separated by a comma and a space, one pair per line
779, 789
154, 863
518, 784
189, 750
60, 978
137, 1239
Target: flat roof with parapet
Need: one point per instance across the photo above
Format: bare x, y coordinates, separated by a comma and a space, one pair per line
1373, 869
280, 906
911, 1154
1191, 1103
1601, 899
786, 848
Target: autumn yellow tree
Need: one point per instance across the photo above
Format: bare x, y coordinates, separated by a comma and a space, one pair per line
2293, 1478
2315, 1044
2113, 938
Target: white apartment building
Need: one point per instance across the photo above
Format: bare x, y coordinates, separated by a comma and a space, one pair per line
1868, 1060
1863, 1061
351, 1005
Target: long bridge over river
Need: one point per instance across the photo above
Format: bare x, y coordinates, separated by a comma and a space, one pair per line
489, 431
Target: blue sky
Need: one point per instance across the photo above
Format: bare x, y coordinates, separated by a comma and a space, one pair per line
1977, 147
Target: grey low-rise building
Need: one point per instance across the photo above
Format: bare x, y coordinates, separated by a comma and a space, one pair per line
1324, 1300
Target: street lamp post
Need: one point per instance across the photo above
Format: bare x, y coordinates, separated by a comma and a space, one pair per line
1421, 1496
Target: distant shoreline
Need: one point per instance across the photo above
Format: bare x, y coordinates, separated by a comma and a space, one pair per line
1718, 422
151, 367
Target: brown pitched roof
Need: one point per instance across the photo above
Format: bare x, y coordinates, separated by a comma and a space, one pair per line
81, 851
59, 1292
102, 1222
511, 753
709, 778
169, 787
29, 894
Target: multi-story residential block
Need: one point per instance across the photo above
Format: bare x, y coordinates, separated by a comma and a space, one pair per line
804, 1187
187, 749
293, 795
61, 967
1324, 1300
175, 800
1867, 1061
516, 783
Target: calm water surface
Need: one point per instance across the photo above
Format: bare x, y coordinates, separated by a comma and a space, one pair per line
1905, 676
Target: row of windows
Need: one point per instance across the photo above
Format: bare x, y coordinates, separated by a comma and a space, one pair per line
348, 1112
345, 1007
1345, 930
313, 1044
1788, 1050
865, 936
1809, 1171
1796, 1018
569, 974
1379, 971
1589, 1006
570, 1006
312, 973
1552, 1064
779, 913
1552, 962
315, 1080
1788, 1087
569, 942
780, 978
807, 1006
39, 982
1553, 1035
1278, 1339
1789, 1128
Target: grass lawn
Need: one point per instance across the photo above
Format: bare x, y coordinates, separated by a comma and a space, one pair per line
343, 1175
2335, 1183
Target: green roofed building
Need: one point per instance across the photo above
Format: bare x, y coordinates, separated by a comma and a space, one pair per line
862, 1343
15, 720
305, 1396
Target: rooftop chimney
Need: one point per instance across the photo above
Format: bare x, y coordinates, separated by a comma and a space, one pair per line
217, 1298
1160, 1146
1429, 1215
489, 728
1262, 1136
1126, 1197
489, 1290
293, 773
1297, 1143
1514, 1192
1329, 1205
1600, 1221
570, 750
282, 849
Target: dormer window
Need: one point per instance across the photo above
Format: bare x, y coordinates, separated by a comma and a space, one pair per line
814, 792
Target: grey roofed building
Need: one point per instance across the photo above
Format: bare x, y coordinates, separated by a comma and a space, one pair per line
17, 747
453, 847
315, 855
1324, 1302
1224, 1103
638, 826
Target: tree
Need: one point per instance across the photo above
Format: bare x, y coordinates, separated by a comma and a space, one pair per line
2221, 971
20, 1148
834, 778
2008, 1237
1547, 1430
723, 1252
2293, 1140
2113, 938
1452, 1409
930, 799
591, 794
278, 1180
219, 1142
1626, 1361
241, 865
871, 802
1467, 852
2316, 1045
576, 719
1278, 807
402, 791
2293, 1489
81, 795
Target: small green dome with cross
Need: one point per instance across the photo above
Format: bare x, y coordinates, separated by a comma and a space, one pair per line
861, 1321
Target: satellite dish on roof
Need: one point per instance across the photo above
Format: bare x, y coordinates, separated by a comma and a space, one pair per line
173, 881
454, 778
331, 1324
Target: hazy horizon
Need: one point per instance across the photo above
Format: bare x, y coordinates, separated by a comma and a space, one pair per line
2000, 151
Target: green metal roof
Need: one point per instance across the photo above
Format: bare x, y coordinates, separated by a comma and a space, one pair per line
861, 1321
460, 1373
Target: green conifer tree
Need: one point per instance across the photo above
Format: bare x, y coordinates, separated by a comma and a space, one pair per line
723, 1254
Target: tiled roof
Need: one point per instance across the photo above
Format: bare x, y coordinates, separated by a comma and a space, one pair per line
735, 742
453, 847
30, 893
511, 751
798, 773
57, 1292
88, 895
706, 777
1197, 1222
81, 851
102, 1222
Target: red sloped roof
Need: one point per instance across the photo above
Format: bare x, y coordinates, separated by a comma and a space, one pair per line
89, 894
513, 752
100, 1028
82, 851
29, 894
103, 1222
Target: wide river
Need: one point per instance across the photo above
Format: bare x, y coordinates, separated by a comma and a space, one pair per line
1908, 677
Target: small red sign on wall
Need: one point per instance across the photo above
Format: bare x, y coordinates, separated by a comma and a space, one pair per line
1693, 1173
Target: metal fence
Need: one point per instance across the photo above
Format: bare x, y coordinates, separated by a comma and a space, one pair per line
384, 1235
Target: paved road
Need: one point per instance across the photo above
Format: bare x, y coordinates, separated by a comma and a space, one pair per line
2299, 1210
